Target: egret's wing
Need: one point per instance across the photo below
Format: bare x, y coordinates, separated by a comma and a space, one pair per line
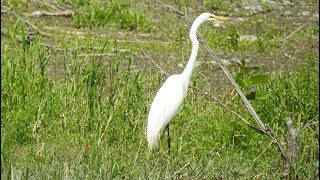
168, 100
165, 105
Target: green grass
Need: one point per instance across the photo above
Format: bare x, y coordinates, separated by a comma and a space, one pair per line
88, 121
97, 13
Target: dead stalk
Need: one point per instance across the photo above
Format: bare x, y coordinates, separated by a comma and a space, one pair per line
295, 31
66, 13
292, 142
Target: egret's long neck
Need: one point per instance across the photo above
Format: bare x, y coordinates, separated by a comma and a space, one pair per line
187, 73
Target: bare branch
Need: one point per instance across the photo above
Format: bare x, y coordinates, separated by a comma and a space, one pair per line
292, 142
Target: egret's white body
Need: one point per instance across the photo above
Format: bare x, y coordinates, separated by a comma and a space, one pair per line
169, 98
165, 106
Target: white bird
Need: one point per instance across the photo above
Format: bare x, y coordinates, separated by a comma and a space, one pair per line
169, 98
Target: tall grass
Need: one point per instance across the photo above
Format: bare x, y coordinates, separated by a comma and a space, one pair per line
91, 123
96, 105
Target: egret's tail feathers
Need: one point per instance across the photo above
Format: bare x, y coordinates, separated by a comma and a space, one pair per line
153, 139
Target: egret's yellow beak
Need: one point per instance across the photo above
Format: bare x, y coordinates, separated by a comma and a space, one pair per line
220, 18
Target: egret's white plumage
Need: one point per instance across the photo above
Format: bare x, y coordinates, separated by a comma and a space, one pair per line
169, 98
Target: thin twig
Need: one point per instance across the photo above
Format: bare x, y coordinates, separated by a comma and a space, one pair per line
295, 31
27, 22
263, 151
309, 123
95, 55
274, 137
174, 9
258, 156
177, 172
150, 58
226, 107
205, 78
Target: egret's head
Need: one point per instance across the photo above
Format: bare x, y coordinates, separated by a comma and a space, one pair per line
202, 18
211, 17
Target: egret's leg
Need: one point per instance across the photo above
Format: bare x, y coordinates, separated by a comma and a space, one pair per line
168, 129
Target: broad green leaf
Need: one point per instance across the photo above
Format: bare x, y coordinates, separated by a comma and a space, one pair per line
259, 79
239, 79
258, 95
247, 81
241, 83
262, 95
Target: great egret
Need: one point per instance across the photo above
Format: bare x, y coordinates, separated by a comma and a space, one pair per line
169, 98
